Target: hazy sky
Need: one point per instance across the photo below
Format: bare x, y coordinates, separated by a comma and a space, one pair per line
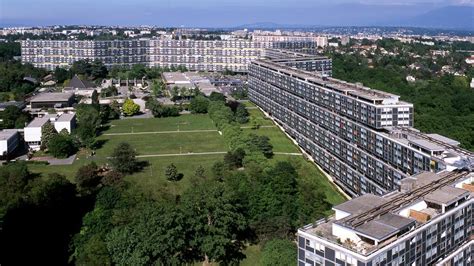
211, 12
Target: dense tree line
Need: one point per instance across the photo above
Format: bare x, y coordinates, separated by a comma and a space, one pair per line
12, 83
37, 216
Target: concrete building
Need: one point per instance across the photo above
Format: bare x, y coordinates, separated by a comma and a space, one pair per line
428, 221
9, 142
65, 121
363, 138
33, 131
52, 100
189, 80
195, 55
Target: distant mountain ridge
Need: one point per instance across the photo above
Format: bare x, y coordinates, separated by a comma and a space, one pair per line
452, 17
448, 17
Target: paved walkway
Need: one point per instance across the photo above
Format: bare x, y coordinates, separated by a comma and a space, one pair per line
288, 153
259, 126
160, 132
181, 154
56, 161
206, 153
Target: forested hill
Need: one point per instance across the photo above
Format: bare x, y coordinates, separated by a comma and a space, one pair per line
444, 104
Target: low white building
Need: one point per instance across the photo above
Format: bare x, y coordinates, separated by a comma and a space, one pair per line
9, 141
65, 121
33, 132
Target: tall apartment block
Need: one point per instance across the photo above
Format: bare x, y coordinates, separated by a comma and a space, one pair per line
363, 138
196, 55
429, 221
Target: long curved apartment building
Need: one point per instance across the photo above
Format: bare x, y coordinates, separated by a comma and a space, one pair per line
362, 137
196, 55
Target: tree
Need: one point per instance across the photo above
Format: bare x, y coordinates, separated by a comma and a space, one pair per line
233, 159
199, 105
216, 96
95, 99
171, 173
98, 70
61, 145
48, 132
14, 179
260, 143
215, 218
90, 243
109, 91
33, 209
112, 178
87, 178
241, 114
278, 252
157, 87
88, 120
130, 108
13, 117
61, 75
156, 235
200, 172
123, 158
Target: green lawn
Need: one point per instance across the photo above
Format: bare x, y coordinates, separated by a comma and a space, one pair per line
280, 142
183, 122
165, 143
152, 179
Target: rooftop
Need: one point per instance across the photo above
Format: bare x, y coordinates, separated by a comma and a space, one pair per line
66, 117
372, 222
360, 204
446, 195
385, 226
7, 133
78, 83
38, 121
53, 97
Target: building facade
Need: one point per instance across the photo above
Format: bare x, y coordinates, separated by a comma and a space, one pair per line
362, 137
196, 55
428, 222
9, 142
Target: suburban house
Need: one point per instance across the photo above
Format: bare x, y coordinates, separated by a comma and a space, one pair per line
9, 141
33, 132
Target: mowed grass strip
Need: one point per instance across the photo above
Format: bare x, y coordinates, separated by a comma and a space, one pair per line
183, 122
165, 143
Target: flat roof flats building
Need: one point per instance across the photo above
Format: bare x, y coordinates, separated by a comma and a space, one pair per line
429, 221
196, 55
52, 100
362, 137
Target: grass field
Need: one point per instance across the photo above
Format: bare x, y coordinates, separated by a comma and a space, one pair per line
184, 122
